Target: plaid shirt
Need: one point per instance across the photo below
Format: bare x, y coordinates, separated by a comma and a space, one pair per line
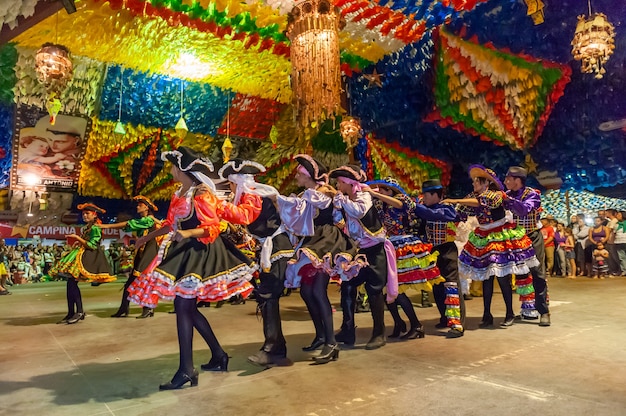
440, 225
525, 204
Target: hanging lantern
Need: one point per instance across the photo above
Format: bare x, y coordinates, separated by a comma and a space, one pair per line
54, 68
593, 43
350, 130
181, 128
313, 28
119, 128
53, 105
227, 149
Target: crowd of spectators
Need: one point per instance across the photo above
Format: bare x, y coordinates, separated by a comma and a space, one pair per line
30, 263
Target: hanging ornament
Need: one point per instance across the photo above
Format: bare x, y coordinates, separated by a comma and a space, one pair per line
119, 127
53, 105
593, 43
351, 131
227, 148
274, 136
181, 126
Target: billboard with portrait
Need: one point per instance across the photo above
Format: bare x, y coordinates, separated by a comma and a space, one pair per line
47, 155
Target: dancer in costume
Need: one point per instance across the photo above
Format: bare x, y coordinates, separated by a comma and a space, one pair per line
194, 262
355, 210
252, 206
525, 204
440, 230
497, 247
417, 267
144, 255
86, 262
323, 251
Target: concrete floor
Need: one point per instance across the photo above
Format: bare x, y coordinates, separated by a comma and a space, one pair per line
106, 366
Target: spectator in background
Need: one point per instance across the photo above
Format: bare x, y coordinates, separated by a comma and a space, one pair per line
581, 236
598, 234
568, 248
600, 265
547, 231
560, 238
614, 268
620, 240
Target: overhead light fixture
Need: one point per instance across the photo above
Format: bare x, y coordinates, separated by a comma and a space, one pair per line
313, 28
593, 43
350, 130
189, 66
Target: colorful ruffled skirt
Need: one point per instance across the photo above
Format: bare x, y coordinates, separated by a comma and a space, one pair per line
192, 269
329, 250
417, 266
497, 250
144, 257
84, 265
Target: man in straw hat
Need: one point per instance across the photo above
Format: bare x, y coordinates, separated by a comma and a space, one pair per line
525, 204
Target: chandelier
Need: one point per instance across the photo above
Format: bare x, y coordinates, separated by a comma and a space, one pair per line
594, 42
54, 67
313, 29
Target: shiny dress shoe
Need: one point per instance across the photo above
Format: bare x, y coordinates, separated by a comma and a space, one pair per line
78, 316
375, 342
487, 322
454, 333
508, 321
329, 353
179, 380
120, 313
64, 320
219, 363
146, 313
414, 333
317, 342
398, 329
266, 359
544, 320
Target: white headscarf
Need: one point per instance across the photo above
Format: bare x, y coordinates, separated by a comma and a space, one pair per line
247, 185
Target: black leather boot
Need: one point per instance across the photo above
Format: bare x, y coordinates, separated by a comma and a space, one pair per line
377, 305
347, 333
275, 343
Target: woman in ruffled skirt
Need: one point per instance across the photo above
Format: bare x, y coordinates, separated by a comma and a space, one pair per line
323, 251
86, 262
498, 247
194, 263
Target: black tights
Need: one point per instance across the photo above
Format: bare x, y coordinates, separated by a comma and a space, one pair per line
189, 317
74, 298
507, 295
314, 292
406, 305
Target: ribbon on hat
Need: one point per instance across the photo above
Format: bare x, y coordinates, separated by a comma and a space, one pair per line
356, 185
302, 170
